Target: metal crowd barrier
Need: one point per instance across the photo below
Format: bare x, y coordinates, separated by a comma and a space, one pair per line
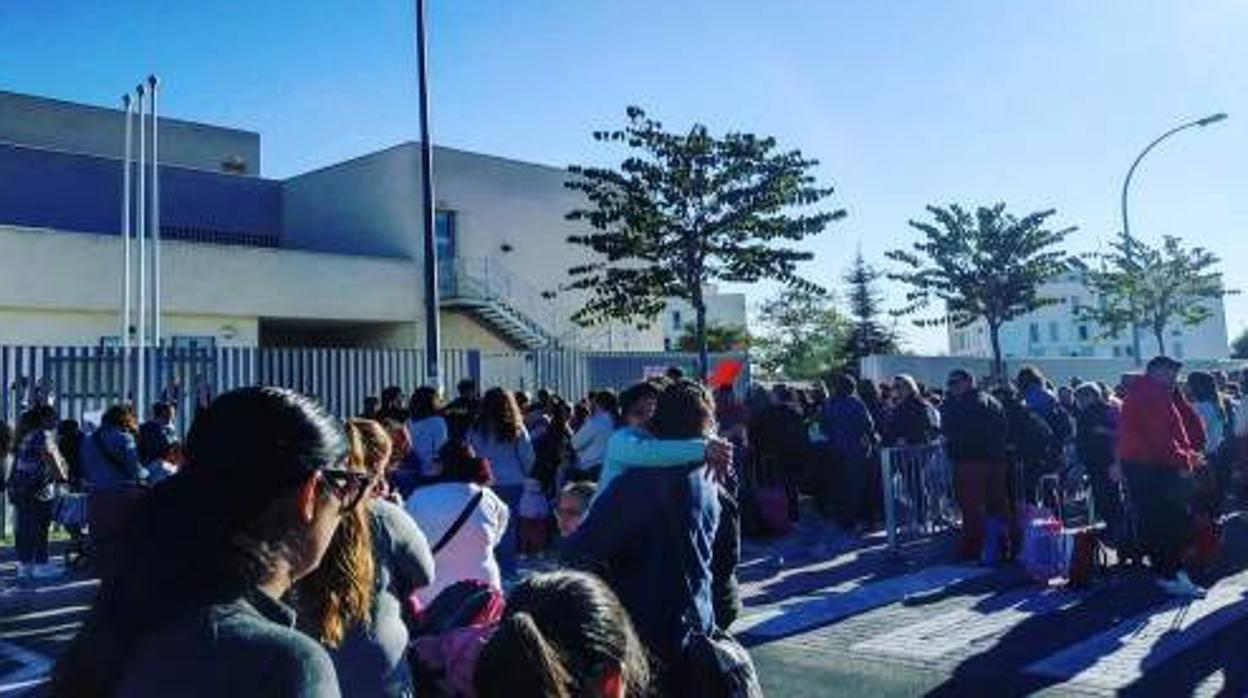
918, 492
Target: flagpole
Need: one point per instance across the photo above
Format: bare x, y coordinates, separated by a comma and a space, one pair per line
124, 337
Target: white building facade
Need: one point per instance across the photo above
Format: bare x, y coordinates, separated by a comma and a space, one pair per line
332, 257
722, 309
1055, 331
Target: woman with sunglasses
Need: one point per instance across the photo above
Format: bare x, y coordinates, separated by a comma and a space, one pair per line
370, 655
193, 607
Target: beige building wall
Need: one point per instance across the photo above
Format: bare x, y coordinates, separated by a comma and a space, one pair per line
86, 328
460, 331
66, 288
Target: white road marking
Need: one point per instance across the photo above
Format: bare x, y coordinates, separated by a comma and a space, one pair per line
1119, 656
804, 612
34, 669
946, 633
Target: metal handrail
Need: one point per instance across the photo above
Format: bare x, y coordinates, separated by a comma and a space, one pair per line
488, 279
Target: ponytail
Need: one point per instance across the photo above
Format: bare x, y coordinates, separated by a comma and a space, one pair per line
518, 660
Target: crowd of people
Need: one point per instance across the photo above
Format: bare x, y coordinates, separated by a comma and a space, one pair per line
280, 551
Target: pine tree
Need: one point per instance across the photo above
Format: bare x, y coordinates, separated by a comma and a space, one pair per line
866, 334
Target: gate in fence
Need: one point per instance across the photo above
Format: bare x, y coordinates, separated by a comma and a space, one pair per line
918, 492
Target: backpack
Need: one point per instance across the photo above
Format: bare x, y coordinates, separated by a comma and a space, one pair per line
717, 666
449, 634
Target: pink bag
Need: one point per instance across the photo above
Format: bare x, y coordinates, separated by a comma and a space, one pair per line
454, 653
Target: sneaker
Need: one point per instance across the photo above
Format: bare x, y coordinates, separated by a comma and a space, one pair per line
1191, 587
1181, 587
24, 570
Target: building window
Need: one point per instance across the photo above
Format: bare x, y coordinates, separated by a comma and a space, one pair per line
1034, 332
676, 320
1129, 351
1054, 333
444, 234
1176, 332
1117, 351
667, 344
1178, 350
1083, 333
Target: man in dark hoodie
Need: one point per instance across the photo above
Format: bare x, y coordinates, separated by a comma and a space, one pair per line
975, 430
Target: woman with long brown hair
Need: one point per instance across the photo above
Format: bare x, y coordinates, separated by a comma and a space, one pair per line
500, 437
372, 660
194, 605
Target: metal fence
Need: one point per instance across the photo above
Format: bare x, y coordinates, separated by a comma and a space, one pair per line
918, 492
84, 380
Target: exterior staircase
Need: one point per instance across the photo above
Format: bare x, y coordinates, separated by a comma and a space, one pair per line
490, 292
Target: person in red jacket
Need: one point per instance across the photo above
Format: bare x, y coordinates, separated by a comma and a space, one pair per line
1160, 445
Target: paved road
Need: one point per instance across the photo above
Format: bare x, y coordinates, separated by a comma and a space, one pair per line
830, 616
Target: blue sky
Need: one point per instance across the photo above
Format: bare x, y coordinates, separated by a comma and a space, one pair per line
905, 103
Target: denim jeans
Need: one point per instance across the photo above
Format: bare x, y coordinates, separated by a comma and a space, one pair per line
34, 517
505, 551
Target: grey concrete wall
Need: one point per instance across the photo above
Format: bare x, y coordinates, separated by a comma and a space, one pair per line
79, 128
366, 206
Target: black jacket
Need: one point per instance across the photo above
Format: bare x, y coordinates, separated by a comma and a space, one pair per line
911, 423
1031, 440
1094, 436
975, 428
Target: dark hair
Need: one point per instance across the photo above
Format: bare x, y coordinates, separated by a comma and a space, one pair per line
208, 535
460, 463
1029, 376
605, 400
33, 419
120, 417
637, 392
683, 411
560, 631
522, 399
423, 403
674, 373
500, 417
843, 384
1205, 389
391, 394
466, 387
162, 409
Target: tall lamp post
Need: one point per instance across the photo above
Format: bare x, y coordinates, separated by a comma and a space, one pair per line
433, 332
1126, 225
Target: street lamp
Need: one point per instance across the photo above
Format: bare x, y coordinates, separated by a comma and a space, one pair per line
1126, 225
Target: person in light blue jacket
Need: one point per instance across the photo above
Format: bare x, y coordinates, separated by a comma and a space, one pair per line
633, 446
110, 454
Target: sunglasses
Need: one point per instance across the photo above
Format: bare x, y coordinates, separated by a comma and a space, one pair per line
348, 486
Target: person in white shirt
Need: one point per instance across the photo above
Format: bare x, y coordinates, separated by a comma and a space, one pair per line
590, 441
426, 430
466, 553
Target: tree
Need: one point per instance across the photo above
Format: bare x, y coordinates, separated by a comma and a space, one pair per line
718, 338
866, 334
988, 266
800, 335
1139, 285
684, 210
1239, 348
